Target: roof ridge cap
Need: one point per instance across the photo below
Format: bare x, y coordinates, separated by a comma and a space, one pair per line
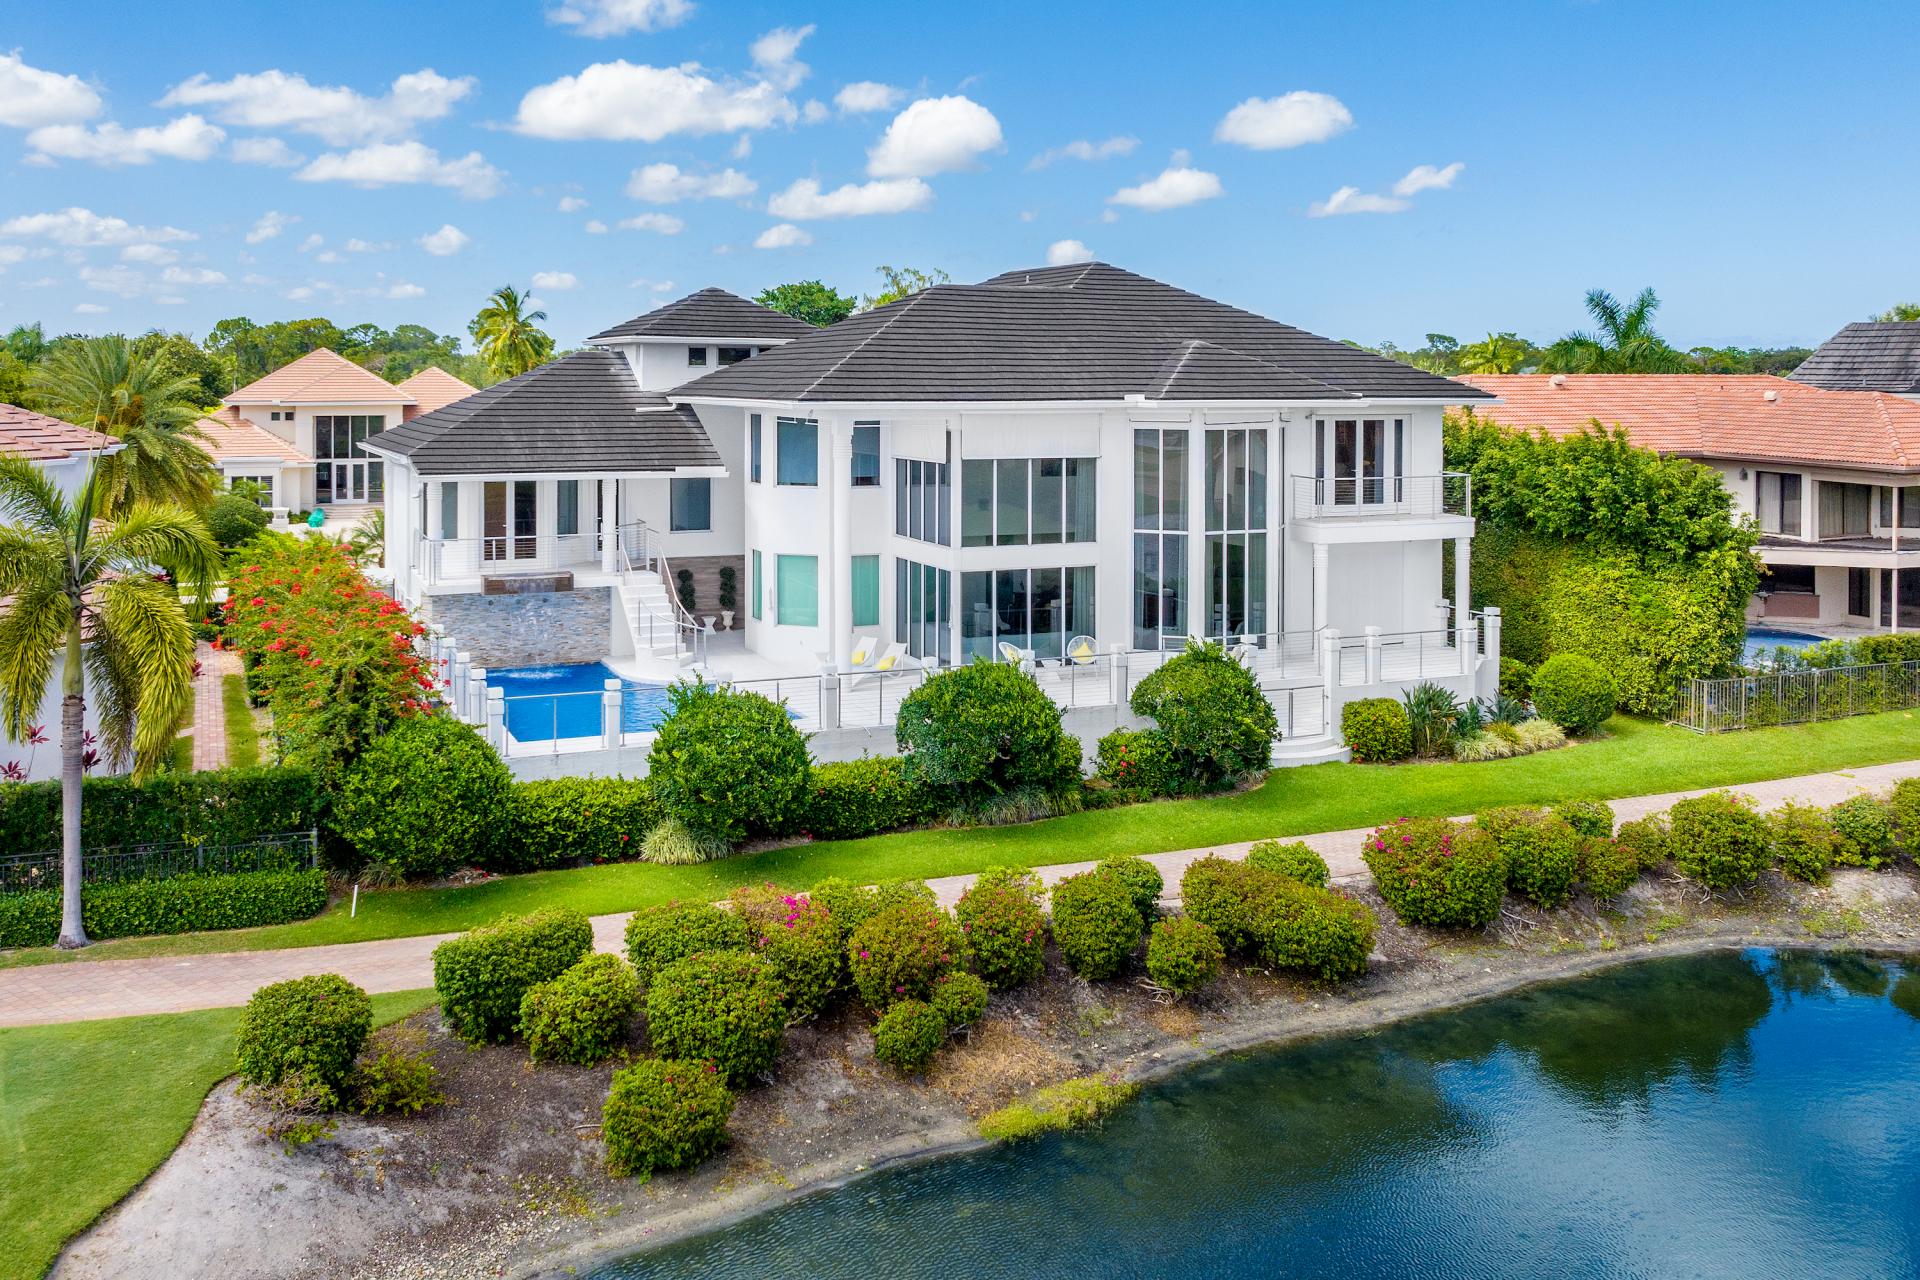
911, 303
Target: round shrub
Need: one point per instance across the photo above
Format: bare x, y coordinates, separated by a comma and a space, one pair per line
1542, 853
852, 905
1904, 803
1229, 897
426, 797
1137, 760
1432, 871
658, 936
1574, 692
1648, 838
1588, 817
727, 764
482, 975
310, 1028
1143, 881
581, 1016
1183, 955
1377, 730
803, 947
1294, 859
1003, 930
232, 519
1095, 924
848, 799
1212, 719
985, 729
1863, 832
908, 1035
1607, 867
1719, 840
960, 999
901, 953
722, 1007
1516, 679
663, 1114
1803, 841
1301, 927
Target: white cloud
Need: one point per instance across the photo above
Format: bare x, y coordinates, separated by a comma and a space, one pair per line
1354, 200
267, 151
599, 18
124, 281
743, 146
773, 53
554, 280
312, 242
815, 112
658, 286
622, 102
594, 227
1424, 177
254, 279
1065, 252
30, 97
863, 96
662, 223
300, 293
11, 254
170, 300
89, 309
668, 183
84, 228
189, 137
330, 257
804, 200
445, 242
1290, 120
782, 235
1082, 149
357, 245
406, 289
192, 275
390, 163
572, 204
337, 115
934, 135
152, 254
270, 224
1178, 184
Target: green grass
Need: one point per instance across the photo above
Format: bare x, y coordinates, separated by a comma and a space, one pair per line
1637, 757
243, 734
91, 1108
180, 754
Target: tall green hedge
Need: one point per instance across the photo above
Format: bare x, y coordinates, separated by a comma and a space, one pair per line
563, 822
182, 904
216, 807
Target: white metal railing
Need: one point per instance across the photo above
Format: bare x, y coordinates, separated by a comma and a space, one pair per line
440, 560
1448, 493
641, 550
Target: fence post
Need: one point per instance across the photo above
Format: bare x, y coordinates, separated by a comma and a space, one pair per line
830, 699
462, 675
610, 713
313, 846
1117, 677
477, 694
1491, 614
496, 719
1373, 655
1330, 659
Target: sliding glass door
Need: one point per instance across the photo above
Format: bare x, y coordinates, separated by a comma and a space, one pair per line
1359, 461
1236, 563
509, 520
1159, 537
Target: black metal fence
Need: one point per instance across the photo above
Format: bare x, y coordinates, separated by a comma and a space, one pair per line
287, 851
1795, 697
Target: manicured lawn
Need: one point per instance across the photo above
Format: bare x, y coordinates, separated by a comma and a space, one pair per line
1637, 758
243, 734
91, 1108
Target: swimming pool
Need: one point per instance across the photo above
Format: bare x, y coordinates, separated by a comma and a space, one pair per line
1762, 641
544, 703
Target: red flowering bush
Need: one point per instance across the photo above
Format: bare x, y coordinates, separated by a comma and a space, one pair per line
1432, 871
901, 954
1004, 929
799, 939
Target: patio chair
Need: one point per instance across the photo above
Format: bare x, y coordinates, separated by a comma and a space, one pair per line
894, 661
865, 651
1081, 651
1013, 653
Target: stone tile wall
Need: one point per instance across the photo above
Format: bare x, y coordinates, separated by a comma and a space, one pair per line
532, 630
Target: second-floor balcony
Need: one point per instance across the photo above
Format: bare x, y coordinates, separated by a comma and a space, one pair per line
1368, 498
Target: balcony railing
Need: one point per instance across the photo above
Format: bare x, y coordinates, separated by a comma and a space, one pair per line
1449, 493
457, 559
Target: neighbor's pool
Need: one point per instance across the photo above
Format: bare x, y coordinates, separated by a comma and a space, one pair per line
564, 701
1762, 641
1733, 1115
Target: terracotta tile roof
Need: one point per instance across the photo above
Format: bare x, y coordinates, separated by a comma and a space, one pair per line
42, 439
1751, 417
230, 436
320, 377
434, 388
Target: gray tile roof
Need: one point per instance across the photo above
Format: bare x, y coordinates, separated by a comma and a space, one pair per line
582, 412
710, 313
1085, 332
1872, 355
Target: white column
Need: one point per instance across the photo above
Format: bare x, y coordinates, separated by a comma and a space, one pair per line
1893, 614
1466, 637
610, 713
609, 531
839, 488
1373, 655
1320, 560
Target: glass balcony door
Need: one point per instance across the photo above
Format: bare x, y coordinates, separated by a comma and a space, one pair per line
509, 520
1353, 458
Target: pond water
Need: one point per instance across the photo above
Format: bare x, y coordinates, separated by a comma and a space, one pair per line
1731, 1115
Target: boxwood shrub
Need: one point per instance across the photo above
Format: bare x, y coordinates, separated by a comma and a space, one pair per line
1719, 840
1143, 881
482, 975
180, 904
581, 1016
901, 953
1095, 924
1432, 871
1863, 832
723, 1007
1607, 867
1228, 896
1212, 720
985, 729
426, 797
565, 822
663, 1114
848, 799
852, 905
1649, 838
1137, 760
1377, 730
727, 763
311, 1028
1574, 692
1803, 841
1325, 933
908, 1034
657, 936
1588, 817
804, 948
1183, 955
1003, 930
960, 998
1294, 859
1542, 852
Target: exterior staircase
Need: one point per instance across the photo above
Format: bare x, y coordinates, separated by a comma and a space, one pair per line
650, 616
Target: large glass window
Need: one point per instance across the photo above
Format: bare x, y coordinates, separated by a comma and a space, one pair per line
1236, 562
796, 591
866, 591
1159, 540
566, 504
689, 504
866, 455
1779, 502
1359, 461
756, 585
1017, 501
1844, 510
798, 446
921, 500
753, 447
976, 503
1038, 609
922, 615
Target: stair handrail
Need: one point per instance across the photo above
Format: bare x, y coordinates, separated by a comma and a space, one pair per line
691, 635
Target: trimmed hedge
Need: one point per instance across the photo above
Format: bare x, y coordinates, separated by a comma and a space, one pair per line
581, 1016
722, 1007
1542, 851
1226, 895
1294, 859
663, 1114
426, 797
215, 807
1607, 867
852, 798
1301, 927
1588, 817
1574, 692
1137, 760
1432, 871
1377, 730
661, 935
482, 975
1648, 838
181, 904
561, 822
312, 1027
982, 730
1095, 924
1143, 880
1719, 840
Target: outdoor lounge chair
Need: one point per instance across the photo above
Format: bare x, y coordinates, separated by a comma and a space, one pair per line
1010, 652
866, 651
1081, 651
894, 661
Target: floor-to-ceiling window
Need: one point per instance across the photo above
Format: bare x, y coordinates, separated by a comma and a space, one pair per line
1236, 503
1027, 501
509, 524
922, 610
1159, 536
1037, 609
1360, 461
343, 470
921, 502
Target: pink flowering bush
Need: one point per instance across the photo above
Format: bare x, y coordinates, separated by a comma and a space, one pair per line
1003, 930
801, 943
1432, 871
723, 1007
901, 954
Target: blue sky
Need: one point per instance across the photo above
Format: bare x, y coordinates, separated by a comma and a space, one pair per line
1754, 162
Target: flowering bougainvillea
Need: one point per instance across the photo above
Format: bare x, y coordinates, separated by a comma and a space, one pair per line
336, 659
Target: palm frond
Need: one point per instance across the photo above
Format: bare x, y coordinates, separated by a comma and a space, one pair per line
34, 623
28, 498
144, 641
155, 534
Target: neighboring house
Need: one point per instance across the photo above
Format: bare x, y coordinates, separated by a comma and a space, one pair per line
1065, 461
1872, 355
1821, 471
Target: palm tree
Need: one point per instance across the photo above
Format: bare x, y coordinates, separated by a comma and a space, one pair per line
1900, 311
1500, 353
1625, 341
82, 587
104, 383
367, 544
509, 338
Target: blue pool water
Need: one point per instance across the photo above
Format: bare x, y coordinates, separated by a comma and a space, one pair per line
1762, 641
564, 701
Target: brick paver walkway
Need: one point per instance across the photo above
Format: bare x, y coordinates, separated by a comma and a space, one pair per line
84, 990
209, 711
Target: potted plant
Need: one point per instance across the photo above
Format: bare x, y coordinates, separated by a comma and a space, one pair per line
727, 579
683, 585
